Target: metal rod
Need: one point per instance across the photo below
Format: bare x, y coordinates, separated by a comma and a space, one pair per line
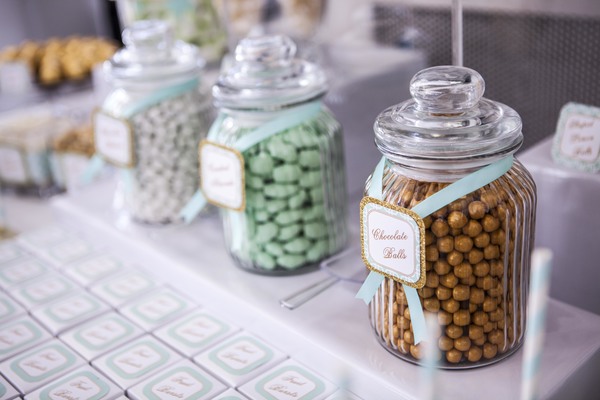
457, 33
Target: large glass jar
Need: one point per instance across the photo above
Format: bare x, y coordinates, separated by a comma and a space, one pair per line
295, 213
156, 90
478, 246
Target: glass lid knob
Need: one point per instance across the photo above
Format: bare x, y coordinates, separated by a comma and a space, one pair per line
266, 50
149, 36
447, 89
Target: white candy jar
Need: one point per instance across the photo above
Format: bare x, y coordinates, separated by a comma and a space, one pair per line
295, 185
151, 122
448, 163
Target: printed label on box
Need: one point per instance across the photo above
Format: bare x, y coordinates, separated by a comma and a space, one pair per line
18, 335
222, 175
43, 363
159, 307
45, 290
577, 139
72, 308
241, 356
137, 360
393, 241
70, 250
12, 165
113, 139
97, 267
81, 386
128, 286
198, 330
290, 383
103, 334
182, 383
22, 271
6, 308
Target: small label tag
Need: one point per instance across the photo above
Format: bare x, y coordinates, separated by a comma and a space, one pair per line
73, 167
113, 139
577, 138
289, 384
222, 175
12, 165
183, 383
393, 242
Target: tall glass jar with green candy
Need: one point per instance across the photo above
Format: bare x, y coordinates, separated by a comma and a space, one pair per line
295, 185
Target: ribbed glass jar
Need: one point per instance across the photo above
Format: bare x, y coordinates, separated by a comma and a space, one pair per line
478, 247
295, 183
156, 89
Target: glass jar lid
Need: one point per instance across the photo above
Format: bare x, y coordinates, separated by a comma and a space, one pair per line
267, 75
152, 54
447, 123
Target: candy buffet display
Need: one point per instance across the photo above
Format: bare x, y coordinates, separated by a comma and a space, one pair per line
293, 161
150, 124
448, 159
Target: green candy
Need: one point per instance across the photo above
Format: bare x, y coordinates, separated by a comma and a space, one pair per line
316, 195
288, 232
313, 213
302, 136
288, 217
310, 179
266, 232
274, 249
315, 230
254, 182
297, 246
255, 199
297, 200
265, 261
274, 206
280, 191
291, 261
310, 158
261, 165
261, 216
287, 173
317, 251
282, 151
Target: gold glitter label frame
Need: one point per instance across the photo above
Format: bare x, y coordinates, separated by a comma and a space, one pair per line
407, 216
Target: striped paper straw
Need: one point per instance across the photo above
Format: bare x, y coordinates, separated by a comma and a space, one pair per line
534, 337
429, 378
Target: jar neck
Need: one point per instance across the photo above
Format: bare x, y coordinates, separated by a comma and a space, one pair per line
441, 170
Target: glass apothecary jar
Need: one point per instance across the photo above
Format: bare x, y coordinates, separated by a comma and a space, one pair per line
295, 185
152, 120
477, 247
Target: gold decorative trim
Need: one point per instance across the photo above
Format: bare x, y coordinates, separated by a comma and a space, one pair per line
132, 163
421, 225
240, 157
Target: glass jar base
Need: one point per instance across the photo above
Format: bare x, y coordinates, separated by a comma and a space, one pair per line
446, 365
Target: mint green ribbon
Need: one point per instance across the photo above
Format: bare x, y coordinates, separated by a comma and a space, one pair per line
285, 119
450, 193
97, 163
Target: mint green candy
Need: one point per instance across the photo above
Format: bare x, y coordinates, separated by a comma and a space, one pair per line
297, 200
314, 213
316, 195
282, 151
274, 249
280, 190
317, 251
261, 165
274, 206
310, 179
288, 217
291, 261
310, 158
297, 246
266, 232
255, 199
254, 182
265, 261
288, 232
287, 173
315, 230
261, 216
